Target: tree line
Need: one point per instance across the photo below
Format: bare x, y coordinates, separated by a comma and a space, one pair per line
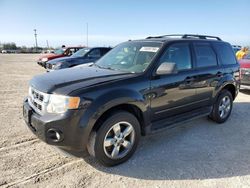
11, 47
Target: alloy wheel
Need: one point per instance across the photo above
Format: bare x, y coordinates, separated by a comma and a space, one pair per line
119, 140
224, 107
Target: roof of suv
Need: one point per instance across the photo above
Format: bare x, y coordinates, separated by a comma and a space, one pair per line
165, 38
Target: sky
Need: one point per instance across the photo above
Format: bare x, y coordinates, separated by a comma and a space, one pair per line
113, 21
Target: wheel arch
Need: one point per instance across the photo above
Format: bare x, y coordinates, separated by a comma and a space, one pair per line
231, 87
110, 102
131, 108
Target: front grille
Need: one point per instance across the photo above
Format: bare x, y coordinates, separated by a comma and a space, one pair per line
245, 71
49, 66
37, 100
37, 95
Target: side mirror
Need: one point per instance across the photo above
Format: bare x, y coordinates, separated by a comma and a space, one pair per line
167, 68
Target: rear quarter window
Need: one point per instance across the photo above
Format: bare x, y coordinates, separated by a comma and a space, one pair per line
225, 53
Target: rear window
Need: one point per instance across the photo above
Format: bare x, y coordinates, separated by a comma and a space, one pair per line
205, 55
225, 53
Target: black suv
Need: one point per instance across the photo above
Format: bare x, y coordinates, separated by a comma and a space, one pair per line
82, 56
138, 88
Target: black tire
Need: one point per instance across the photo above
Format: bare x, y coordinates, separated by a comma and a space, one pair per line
216, 113
96, 146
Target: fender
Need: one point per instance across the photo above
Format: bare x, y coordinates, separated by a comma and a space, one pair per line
228, 79
109, 100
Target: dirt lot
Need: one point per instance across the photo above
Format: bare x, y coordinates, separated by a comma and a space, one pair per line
200, 154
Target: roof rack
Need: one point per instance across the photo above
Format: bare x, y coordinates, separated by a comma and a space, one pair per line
185, 36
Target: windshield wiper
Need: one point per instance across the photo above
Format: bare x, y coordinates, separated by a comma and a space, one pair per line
98, 66
109, 68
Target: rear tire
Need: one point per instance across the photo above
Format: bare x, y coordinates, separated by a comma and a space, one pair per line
222, 107
116, 139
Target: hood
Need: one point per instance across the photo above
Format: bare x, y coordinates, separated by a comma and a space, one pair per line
65, 81
62, 59
50, 56
244, 63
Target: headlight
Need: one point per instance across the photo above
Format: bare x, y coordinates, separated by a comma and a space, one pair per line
44, 59
55, 66
30, 91
60, 104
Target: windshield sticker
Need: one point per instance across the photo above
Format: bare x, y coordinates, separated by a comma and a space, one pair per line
149, 49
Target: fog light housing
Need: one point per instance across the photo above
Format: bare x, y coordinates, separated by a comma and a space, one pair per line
55, 135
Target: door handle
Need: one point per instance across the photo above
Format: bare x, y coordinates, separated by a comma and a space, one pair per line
189, 79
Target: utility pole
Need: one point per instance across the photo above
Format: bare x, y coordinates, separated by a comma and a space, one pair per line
87, 35
35, 34
47, 44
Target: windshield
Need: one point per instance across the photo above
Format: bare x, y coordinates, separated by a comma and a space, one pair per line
132, 57
59, 51
81, 52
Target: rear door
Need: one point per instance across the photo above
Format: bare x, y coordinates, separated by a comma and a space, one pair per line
208, 72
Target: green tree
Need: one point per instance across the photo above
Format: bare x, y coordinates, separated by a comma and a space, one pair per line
9, 46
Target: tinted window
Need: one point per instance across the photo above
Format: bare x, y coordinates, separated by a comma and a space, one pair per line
205, 55
81, 52
225, 53
179, 54
95, 53
104, 50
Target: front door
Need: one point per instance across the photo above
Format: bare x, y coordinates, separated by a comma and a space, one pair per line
174, 93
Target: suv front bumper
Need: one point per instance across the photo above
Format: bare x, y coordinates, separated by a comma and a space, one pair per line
62, 131
42, 63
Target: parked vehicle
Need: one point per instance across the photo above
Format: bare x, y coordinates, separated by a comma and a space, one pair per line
236, 48
82, 56
140, 87
245, 71
48, 51
57, 53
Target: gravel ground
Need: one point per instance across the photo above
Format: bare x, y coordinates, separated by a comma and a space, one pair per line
199, 154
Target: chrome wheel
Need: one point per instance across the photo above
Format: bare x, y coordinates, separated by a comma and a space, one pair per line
224, 107
119, 140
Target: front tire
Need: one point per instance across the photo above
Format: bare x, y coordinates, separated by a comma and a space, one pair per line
222, 107
116, 139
